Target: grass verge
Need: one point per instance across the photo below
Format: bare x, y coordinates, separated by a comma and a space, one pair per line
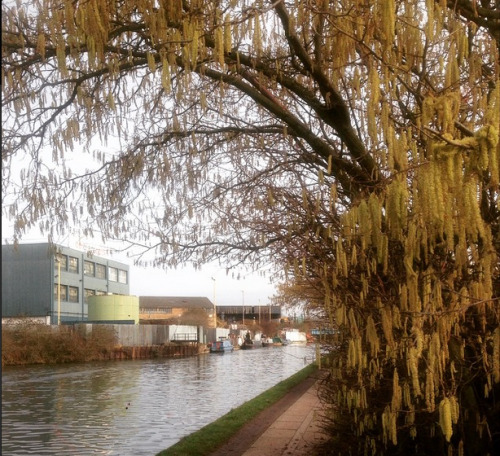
213, 435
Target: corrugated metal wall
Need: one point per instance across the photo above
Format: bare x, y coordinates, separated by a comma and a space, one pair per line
146, 335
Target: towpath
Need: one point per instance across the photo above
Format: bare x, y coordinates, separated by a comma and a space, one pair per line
290, 427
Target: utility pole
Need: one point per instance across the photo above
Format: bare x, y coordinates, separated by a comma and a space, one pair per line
215, 307
58, 290
243, 304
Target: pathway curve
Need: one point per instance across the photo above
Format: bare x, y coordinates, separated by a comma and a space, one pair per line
290, 427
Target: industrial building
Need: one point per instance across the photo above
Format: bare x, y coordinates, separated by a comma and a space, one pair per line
169, 308
52, 283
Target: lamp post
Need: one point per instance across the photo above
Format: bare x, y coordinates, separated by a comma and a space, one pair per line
58, 291
215, 307
243, 304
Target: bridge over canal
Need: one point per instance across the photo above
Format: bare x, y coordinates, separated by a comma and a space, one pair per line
247, 314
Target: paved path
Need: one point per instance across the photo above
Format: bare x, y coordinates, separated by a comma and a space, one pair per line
295, 432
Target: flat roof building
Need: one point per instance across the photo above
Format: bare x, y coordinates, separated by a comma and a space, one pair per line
54, 282
171, 308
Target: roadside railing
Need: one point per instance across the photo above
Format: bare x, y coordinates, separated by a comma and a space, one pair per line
185, 337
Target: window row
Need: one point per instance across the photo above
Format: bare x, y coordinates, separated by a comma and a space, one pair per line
157, 310
94, 269
71, 294
68, 293
99, 270
67, 263
71, 264
88, 292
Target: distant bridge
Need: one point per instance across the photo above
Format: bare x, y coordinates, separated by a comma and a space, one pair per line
259, 314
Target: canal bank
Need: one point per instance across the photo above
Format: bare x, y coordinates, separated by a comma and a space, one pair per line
30, 344
156, 351
289, 425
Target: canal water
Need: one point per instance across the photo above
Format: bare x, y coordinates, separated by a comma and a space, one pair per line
133, 407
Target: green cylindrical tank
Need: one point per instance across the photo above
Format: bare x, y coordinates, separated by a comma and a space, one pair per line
113, 308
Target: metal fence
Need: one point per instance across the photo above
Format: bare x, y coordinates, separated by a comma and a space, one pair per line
148, 335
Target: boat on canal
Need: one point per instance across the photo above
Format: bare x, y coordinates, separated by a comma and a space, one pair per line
278, 341
222, 345
267, 341
247, 343
295, 337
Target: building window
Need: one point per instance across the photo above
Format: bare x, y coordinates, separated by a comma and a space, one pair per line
88, 292
113, 274
100, 271
157, 310
122, 276
63, 259
72, 264
89, 268
64, 292
73, 294
100, 293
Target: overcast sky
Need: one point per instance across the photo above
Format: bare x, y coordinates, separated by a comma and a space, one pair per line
253, 289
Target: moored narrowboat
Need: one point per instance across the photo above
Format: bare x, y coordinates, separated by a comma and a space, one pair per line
221, 346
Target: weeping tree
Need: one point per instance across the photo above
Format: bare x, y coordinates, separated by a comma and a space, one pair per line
353, 144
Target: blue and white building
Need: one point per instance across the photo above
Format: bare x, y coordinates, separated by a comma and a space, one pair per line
51, 283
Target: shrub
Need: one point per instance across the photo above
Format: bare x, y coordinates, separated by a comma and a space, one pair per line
41, 344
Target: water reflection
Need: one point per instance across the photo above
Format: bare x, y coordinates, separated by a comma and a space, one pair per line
132, 407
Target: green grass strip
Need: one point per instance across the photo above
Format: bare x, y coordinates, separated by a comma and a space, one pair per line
213, 435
